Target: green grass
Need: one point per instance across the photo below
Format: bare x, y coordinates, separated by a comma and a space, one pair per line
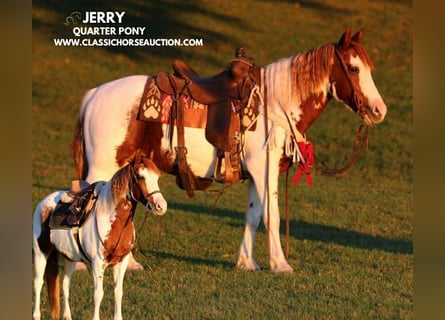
351, 235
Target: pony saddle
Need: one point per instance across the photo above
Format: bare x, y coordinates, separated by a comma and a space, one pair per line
75, 206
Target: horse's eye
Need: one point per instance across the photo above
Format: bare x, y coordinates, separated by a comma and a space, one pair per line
353, 69
141, 177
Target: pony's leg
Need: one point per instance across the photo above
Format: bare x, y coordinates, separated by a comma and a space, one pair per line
39, 267
118, 276
253, 218
69, 267
98, 276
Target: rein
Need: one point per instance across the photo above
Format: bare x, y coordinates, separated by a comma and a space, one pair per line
360, 144
111, 252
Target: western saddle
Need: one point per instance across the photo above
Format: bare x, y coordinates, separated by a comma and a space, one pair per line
225, 94
75, 205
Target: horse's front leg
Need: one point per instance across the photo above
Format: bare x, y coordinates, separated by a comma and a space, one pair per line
271, 218
265, 201
69, 267
118, 276
98, 276
253, 218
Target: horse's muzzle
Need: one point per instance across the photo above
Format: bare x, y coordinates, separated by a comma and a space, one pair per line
374, 114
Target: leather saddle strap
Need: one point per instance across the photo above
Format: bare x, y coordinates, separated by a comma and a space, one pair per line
83, 255
181, 149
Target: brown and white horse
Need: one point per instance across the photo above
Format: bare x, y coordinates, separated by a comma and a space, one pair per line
294, 91
105, 238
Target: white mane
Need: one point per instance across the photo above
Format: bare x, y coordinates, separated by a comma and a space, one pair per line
279, 83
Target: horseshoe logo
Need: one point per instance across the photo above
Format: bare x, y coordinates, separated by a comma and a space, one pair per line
72, 18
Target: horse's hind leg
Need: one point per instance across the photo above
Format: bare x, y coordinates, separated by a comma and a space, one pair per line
118, 276
69, 267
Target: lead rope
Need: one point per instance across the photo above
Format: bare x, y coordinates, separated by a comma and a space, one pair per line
286, 201
357, 151
266, 136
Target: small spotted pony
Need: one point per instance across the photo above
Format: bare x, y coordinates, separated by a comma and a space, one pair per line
105, 238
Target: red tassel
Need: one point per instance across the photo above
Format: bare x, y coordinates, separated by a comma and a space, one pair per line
307, 152
297, 176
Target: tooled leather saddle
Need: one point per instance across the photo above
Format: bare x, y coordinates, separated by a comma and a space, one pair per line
225, 94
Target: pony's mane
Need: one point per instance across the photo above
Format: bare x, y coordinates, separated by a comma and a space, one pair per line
120, 181
290, 80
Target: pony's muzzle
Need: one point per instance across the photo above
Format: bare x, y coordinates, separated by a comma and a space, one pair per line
157, 206
160, 208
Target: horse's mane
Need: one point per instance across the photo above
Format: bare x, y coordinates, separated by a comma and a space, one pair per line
310, 70
120, 182
291, 80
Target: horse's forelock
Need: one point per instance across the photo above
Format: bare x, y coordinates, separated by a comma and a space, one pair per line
151, 166
362, 53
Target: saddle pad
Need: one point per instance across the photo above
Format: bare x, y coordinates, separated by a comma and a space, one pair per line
156, 106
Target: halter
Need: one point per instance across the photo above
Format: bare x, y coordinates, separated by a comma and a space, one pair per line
357, 98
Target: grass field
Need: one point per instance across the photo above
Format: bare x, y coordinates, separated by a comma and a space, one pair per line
351, 235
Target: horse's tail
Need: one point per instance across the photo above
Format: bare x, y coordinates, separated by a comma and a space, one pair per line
52, 283
78, 145
78, 149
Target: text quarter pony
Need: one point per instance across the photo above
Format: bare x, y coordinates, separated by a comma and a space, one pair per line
105, 238
293, 93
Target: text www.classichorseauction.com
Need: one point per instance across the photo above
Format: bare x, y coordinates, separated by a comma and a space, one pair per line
111, 36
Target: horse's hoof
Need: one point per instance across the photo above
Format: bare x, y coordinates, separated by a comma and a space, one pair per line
80, 266
283, 267
247, 266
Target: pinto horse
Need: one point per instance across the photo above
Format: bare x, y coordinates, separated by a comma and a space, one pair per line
293, 91
105, 238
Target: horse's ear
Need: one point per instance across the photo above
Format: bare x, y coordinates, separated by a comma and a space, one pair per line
345, 38
358, 36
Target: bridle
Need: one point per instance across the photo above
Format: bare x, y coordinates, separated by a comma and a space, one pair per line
362, 133
355, 96
147, 199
